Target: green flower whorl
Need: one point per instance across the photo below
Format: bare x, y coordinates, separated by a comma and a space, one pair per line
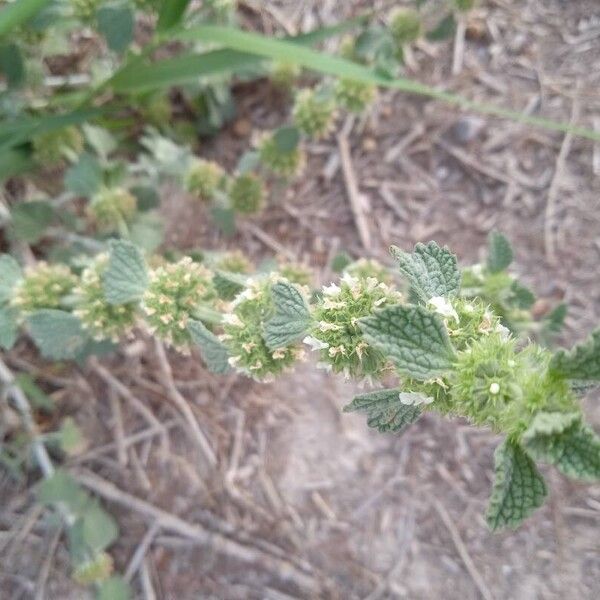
243, 333
312, 114
43, 286
111, 208
247, 194
285, 164
204, 178
336, 333
52, 148
175, 290
405, 26
101, 319
354, 96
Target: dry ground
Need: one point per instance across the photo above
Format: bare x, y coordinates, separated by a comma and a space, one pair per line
306, 502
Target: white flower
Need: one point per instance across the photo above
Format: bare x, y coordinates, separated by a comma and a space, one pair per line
325, 326
331, 290
329, 304
503, 331
477, 271
314, 343
232, 319
414, 399
494, 388
443, 307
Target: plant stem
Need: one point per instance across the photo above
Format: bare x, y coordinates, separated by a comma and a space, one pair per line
207, 315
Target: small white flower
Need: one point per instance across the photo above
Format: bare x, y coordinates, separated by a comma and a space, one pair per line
494, 388
232, 319
329, 304
314, 343
503, 331
335, 350
324, 366
414, 399
477, 271
443, 307
325, 326
331, 290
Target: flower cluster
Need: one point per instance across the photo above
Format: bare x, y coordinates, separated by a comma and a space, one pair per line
52, 148
243, 333
203, 178
314, 113
354, 95
336, 333
174, 292
363, 268
99, 568
283, 163
405, 26
101, 319
284, 74
247, 194
112, 208
234, 262
296, 273
43, 286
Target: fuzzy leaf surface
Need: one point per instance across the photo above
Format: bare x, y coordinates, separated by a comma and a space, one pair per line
581, 362
430, 270
30, 220
414, 339
500, 253
99, 528
213, 352
10, 273
384, 410
62, 488
228, 285
126, 277
292, 317
114, 588
57, 333
519, 487
563, 440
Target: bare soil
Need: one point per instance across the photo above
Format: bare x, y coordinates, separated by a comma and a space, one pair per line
315, 504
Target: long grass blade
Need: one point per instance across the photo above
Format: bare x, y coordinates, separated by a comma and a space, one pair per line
253, 43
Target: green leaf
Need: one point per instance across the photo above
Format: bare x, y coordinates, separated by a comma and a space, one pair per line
10, 273
248, 162
171, 13
519, 487
58, 334
443, 30
554, 321
287, 138
116, 23
31, 219
147, 231
430, 270
9, 329
14, 162
224, 219
17, 13
126, 277
102, 142
500, 253
340, 262
414, 339
385, 411
61, 488
11, 64
147, 197
99, 528
563, 440
85, 177
114, 588
36, 396
581, 362
229, 285
292, 317
213, 352
523, 297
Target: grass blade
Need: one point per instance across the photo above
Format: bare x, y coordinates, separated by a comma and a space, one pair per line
171, 13
327, 64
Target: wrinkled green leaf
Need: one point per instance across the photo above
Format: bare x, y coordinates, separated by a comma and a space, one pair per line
57, 334
85, 177
414, 339
581, 362
430, 270
522, 296
519, 487
563, 440
30, 220
213, 352
229, 285
385, 411
292, 317
500, 253
126, 276
10, 273
116, 23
